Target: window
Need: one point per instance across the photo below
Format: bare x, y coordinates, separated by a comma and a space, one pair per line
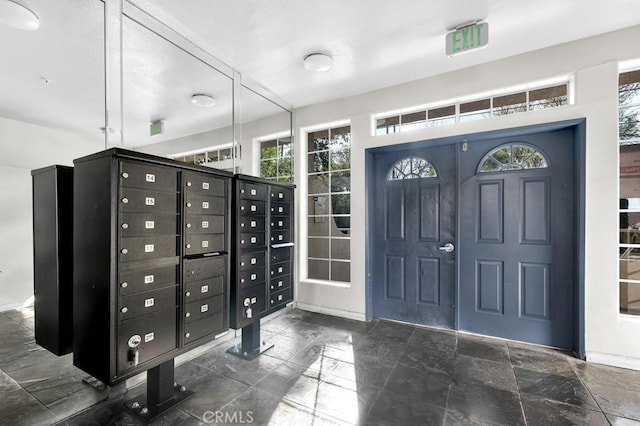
276, 159
329, 204
516, 156
207, 156
411, 168
629, 140
528, 100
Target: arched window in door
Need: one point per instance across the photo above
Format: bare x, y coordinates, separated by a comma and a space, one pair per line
513, 156
411, 168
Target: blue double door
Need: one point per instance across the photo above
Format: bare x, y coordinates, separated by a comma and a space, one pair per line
478, 237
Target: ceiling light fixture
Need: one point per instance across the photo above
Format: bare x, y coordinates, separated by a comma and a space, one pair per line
318, 62
17, 16
202, 100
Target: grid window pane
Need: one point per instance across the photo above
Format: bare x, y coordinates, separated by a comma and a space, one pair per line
548, 97
269, 149
277, 159
318, 226
318, 184
630, 298
268, 168
341, 271
341, 226
318, 269
318, 141
341, 182
340, 248
629, 89
629, 123
341, 204
318, 162
318, 247
341, 159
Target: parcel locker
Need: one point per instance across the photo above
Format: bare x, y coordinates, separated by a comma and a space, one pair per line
151, 262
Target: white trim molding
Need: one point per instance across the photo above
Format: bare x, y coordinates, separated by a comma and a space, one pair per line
613, 360
331, 311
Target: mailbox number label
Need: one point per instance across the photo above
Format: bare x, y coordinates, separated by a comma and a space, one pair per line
205, 185
150, 177
149, 302
150, 201
149, 248
148, 279
204, 289
205, 224
149, 224
205, 244
148, 337
205, 204
204, 308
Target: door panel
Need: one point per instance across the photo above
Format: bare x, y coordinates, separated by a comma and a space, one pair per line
517, 268
413, 279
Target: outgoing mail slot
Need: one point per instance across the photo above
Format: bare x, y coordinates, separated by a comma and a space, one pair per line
159, 328
139, 175
204, 243
203, 184
203, 308
251, 277
204, 224
201, 269
143, 248
252, 208
141, 224
145, 279
196, 204
280, 297
147, 201
280, 269
146, 302
252, 260
280, 255
280, 209
256, 239
202, 289
252, 191
250, 224
280, 194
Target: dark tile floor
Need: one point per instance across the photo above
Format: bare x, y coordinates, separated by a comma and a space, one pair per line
326, 371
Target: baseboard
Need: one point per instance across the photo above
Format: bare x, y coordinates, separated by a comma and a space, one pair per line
331, 311
613, 360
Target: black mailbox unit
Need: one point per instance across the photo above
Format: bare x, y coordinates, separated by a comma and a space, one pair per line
151, 264
53, 257
263, 241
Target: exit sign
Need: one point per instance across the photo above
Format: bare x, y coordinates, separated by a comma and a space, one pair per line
467, 38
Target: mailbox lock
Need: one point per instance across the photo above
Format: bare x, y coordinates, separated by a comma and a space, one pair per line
124, 310
248, 310
124, 251
187, 335
188, 294
188, 314
125, 225
188, 183
132, 353
125, 175
125, 200
124, 285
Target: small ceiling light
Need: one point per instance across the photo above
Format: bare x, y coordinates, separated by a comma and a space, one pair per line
17, 16
318, 62
204, 101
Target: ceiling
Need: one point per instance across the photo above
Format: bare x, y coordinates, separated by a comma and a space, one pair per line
55, 76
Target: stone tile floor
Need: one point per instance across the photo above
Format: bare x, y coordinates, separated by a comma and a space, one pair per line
330, 371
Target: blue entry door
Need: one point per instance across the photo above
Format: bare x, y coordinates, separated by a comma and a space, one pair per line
517, 238
414, 236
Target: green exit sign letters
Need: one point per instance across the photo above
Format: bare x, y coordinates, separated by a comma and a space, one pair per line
467, 38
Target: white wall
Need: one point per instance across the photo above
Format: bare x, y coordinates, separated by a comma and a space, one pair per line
24, 147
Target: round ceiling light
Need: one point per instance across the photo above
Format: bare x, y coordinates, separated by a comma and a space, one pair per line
318, 62
204, 101
17, 16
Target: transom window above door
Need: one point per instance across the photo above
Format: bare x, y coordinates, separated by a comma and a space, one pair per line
513, 156
411, 168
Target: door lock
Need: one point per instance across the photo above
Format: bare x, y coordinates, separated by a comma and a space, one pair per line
132, 354
248, 311
448, 248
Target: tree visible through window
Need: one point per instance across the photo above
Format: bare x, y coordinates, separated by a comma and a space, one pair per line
411, 168
515, 156
329, 204
276, 159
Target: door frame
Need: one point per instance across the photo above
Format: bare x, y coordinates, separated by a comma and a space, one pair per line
579, 141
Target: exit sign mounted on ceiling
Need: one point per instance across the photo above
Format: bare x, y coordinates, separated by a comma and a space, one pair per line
467, 38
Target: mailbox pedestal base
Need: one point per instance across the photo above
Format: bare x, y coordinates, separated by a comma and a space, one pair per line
250, 347
162, 393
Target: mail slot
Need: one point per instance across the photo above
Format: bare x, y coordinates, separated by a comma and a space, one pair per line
201, 269
278, 194
252, 191
280, 297
280, 283
255, 239
141, 175
251, 277
252, 260
143, 248
204, 224
250, 207
145, 279
280, 209
196, 204
204, 243
203, 308
147, 201
137, 304
157, 333
203, 184
197, 290
142, 224
251, 224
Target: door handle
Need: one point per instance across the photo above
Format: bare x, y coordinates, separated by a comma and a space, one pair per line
447, 248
